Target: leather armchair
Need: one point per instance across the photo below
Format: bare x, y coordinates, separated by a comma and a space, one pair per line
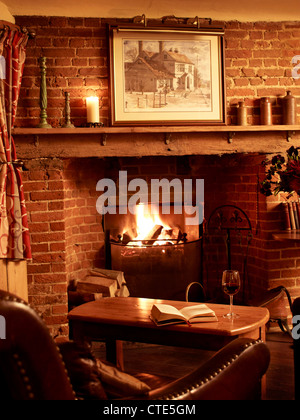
32, 366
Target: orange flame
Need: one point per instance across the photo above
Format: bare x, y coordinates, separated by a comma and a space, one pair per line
150, 227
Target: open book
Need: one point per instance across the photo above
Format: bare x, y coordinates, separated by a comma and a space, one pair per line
162, 314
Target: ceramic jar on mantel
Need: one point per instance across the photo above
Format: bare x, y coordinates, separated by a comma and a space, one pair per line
242, 114
265, 111
289, 116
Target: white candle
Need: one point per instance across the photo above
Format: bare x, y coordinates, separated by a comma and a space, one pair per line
92, 107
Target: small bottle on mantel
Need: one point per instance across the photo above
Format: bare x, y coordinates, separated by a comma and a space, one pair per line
242, 114
289, 109
265, 111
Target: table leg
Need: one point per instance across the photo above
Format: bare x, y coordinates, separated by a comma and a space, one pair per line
77, 331
114, 353
264, 378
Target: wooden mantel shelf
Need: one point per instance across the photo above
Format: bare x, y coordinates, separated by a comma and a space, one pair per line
156, 129
154, 140
292, 235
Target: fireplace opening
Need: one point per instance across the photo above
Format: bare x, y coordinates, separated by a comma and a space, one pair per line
160, 254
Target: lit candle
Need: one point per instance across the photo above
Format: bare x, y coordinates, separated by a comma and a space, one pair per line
92, 106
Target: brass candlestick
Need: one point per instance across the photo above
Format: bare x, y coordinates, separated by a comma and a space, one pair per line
43, 95
67, 123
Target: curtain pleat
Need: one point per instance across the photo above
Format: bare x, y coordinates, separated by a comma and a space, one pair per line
14, 232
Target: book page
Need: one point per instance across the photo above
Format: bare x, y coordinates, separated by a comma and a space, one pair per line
161, 312
190, 312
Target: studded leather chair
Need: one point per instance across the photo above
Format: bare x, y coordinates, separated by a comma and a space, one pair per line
32, 367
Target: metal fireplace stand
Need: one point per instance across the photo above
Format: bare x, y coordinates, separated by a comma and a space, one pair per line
229, 220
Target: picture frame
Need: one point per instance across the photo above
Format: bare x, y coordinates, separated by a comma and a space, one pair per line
164, 76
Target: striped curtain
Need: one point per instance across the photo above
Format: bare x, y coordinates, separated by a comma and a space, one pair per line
14, 233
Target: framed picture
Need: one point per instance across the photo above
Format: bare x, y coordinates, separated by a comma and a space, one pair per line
166, 77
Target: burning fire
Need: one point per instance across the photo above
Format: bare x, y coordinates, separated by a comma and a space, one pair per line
151, 230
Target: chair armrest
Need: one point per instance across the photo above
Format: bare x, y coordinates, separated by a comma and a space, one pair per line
233, 373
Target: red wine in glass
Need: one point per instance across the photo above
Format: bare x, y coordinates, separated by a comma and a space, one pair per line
231, 289
231, 285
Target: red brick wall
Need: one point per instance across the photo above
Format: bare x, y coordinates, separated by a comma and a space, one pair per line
61, 195
66, 232
258, 63
76, 52
84, 236
44, 194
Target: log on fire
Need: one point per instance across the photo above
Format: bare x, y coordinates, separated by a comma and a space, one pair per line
158, 233
152, 235
129, 235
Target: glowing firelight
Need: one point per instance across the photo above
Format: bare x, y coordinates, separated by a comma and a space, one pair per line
150, 227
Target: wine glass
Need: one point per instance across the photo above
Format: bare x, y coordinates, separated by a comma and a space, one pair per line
231, 285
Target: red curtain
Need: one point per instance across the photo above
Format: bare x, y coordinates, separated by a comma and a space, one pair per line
14, 233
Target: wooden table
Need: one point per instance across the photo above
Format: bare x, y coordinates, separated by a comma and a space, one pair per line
127, 319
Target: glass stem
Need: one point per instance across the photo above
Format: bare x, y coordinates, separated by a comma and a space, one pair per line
231, 303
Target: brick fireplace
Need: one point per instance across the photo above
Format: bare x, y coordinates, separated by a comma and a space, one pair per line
66, 230
60, 179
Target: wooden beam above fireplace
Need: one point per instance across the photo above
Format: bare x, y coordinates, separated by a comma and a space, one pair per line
154, 141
